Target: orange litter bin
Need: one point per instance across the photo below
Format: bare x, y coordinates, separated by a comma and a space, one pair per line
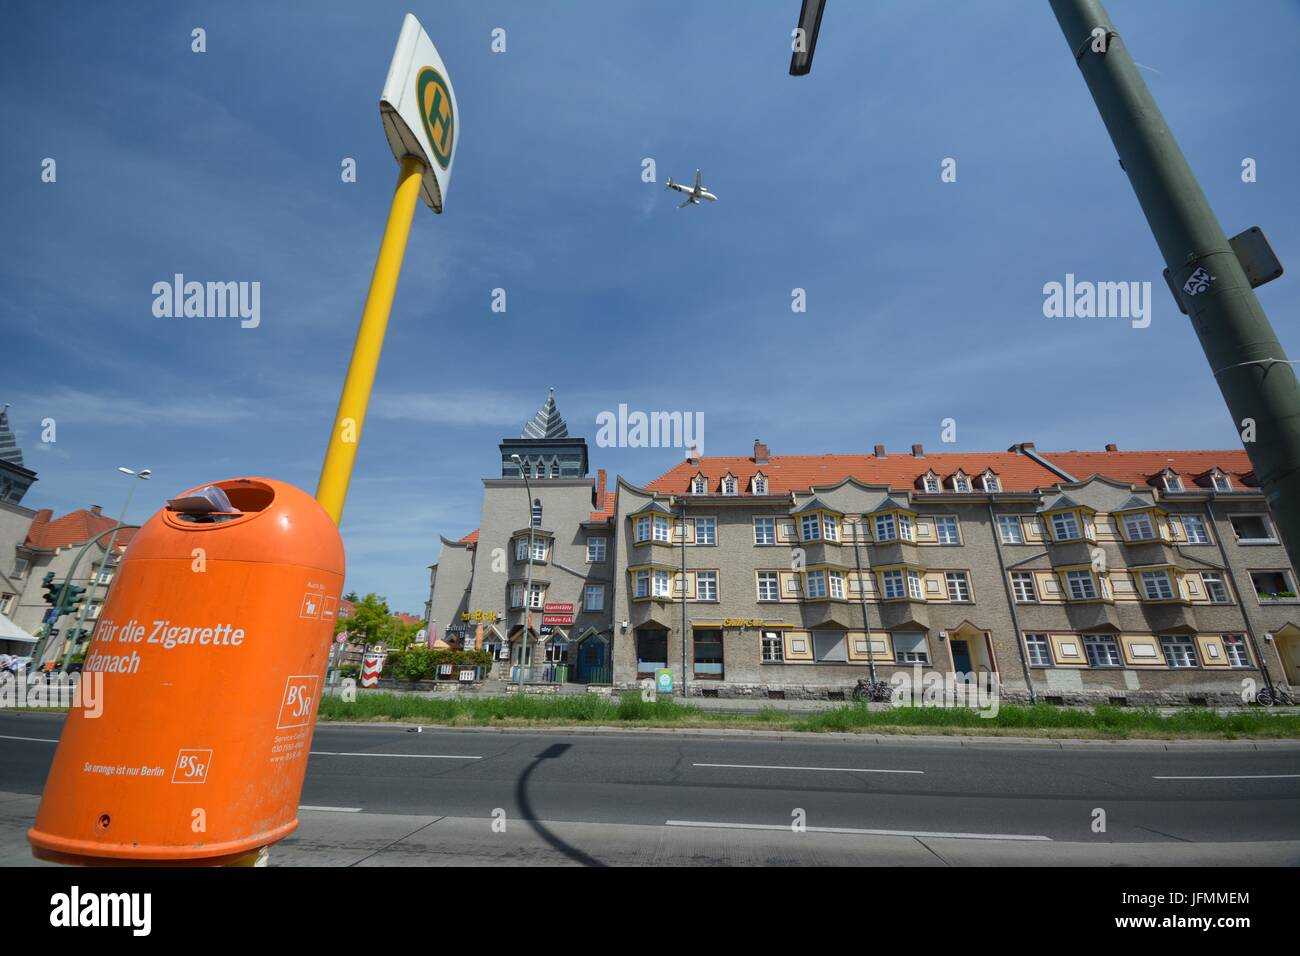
212, 651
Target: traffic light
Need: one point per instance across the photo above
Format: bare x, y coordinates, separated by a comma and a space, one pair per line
72, 598
78, 634
51, 589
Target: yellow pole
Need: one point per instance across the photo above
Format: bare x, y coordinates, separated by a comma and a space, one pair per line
336, 473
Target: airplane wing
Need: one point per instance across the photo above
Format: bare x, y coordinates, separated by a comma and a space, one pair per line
689, 200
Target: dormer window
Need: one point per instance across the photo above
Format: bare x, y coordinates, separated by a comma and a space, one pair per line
699, 485
960, 483
1065, 526
1172, 482
1220, 481
931, 484
760, 484
991, 482
729, 485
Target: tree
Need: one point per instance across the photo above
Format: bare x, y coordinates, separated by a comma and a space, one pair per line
370, 622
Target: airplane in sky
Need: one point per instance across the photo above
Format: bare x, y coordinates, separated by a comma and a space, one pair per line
693, 196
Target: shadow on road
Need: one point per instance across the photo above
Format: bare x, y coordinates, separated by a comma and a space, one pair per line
526, 810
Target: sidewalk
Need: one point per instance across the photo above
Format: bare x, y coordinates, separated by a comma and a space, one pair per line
327, 838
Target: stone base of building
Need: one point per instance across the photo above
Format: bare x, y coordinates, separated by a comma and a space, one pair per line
1086, 697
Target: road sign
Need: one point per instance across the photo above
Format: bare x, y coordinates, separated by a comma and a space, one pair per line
418, 107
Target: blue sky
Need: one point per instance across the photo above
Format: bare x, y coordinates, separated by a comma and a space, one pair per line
924, 298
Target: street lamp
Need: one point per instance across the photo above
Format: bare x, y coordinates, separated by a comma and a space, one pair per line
810, 22
525, 646
143, 475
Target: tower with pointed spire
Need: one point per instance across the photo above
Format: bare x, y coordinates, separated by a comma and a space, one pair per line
545, 446
15, 479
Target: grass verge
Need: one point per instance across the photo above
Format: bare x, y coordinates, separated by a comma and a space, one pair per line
1102, 722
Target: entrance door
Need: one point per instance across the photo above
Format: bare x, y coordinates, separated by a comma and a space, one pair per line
591, 660
961, 657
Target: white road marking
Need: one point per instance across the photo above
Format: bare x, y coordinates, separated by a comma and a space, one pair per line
1243, 776
333, 809
759, 766
37, 740
344, 753
853, 830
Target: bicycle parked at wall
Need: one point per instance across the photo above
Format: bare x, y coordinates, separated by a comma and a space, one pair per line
1267, 697
868, 690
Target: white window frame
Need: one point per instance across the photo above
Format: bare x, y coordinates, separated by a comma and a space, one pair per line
961, 484
642, 584
1138, 526
772, 578
949, 522
991, 483
961, 581
1039, 650
932, 484
1066, 519
662, 585
835, 580
729, 485
760, 485
1215, 587
915, 589
596, 550
886, 527
1102, 651
699, 485
1163, 590
1019, 577
588, 591
810, 527
1202, 535
712, 525
711, 579
661, 529
1268, 526
893, 584
1073, 577
641, 529
1005, 524
1234, 645
1172, 482
830, 527
769, 526
773, 647
1186, 657
815, 584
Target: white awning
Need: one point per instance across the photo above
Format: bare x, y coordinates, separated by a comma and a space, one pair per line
9, 631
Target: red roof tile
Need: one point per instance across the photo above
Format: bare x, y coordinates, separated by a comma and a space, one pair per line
786, 473
1138, 467
471, 538
608, 510
74, 528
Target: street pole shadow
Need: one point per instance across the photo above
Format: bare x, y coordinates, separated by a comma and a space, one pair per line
526, 810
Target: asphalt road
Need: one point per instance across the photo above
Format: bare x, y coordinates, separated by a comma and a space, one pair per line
746, 785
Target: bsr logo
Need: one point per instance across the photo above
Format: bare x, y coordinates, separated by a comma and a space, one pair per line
299, 703
192, 766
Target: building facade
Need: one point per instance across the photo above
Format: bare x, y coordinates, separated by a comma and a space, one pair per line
485, 591
1125, 577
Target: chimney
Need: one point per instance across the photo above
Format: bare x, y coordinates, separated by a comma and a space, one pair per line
880, 451
96, 510
43, 516
600, 489
918, 451
760, 453
1112, 447
692, 455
